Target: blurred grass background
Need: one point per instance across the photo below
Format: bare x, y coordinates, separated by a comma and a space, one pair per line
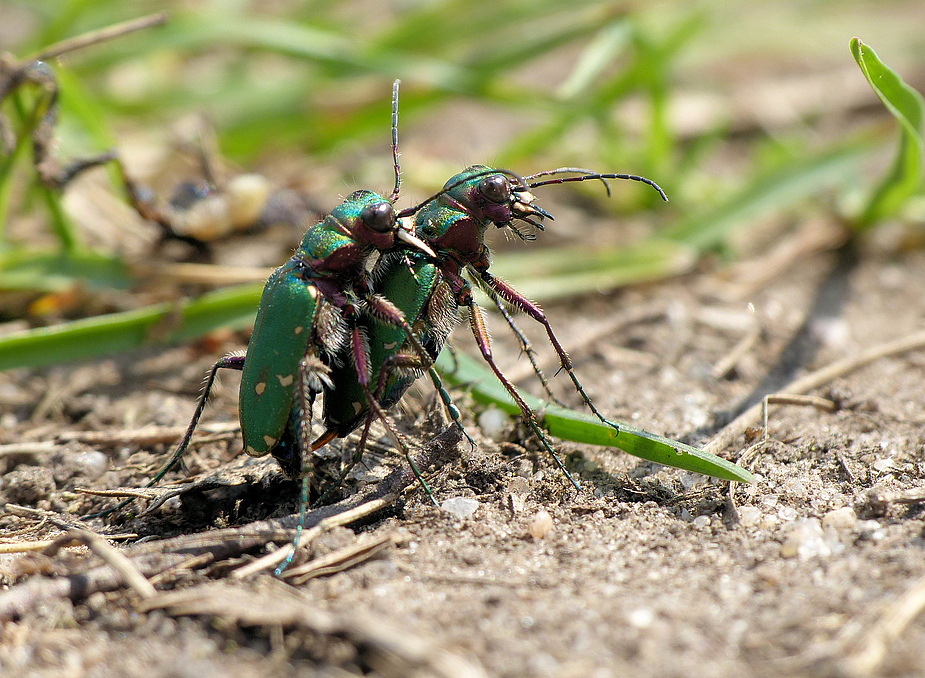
752, 116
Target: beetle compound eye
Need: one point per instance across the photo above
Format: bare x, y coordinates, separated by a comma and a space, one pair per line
379, 217
496, 188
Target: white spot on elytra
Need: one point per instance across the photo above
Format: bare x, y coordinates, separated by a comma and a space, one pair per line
260, 387
297, 330
285, 381
357, 407
390, 345
269, 440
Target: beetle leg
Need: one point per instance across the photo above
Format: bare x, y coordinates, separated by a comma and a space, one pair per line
233, 361
361, 362
480, 332
512, 296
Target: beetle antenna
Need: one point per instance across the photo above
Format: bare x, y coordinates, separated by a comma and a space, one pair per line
394, 196
601, 177
571, 170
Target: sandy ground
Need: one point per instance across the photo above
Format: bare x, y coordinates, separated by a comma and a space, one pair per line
647, 571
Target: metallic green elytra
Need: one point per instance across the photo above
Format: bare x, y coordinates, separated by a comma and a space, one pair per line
286, 322
300, 325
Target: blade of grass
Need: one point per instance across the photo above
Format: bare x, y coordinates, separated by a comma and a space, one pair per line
771, 192
43, 271
165, 323
582, 428
67, 235
550, 274
906, 105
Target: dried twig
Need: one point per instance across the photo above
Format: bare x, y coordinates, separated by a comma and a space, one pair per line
840, 368
29, 449
276, 557
96, 37
147, 435
114, 558
341, 559
385, 641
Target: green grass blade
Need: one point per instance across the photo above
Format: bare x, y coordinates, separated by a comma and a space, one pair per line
768, 193
44, 271
906, 105
165, 323
555, 273
601, 52
582, 428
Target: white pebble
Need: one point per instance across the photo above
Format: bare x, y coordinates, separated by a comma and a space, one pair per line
805, 540
641, 617
93, 463
840, 519
787, 513
493, 422
882, 464
701, 522
749, 515
541, 524
460, 507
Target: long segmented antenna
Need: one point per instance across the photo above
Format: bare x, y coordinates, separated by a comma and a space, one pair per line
601, 177
394, 196
567, 170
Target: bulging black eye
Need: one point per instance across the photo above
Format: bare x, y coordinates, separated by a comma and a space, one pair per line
379, 217
496, 188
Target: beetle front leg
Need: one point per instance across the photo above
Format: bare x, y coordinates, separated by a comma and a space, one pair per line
480, 332
512, 296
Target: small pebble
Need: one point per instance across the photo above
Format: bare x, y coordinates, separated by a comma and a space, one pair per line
787, 513
690, 480
460, 507
805, 540
493, 422
93, 463
541, 524
701, 522
641, 617
882, 464
840, 519
749, 515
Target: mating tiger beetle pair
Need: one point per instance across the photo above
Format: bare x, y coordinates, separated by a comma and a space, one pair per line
327, 325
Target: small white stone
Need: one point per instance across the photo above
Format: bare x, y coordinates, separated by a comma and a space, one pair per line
840, 519
882, 464
690, 480
541, 524
701, 522
493, 422
749, 515
641, 617
831, 332
93, 463
787, 513
460, 507
805, 540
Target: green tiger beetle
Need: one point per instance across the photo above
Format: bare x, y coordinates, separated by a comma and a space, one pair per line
307, 322
430, 292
